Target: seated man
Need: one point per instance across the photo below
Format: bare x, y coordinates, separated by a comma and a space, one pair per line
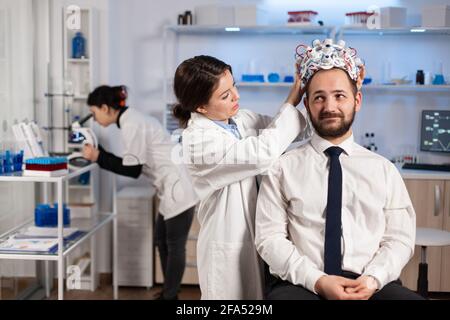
334, 220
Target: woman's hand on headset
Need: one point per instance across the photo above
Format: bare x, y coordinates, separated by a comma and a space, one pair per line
90, 153
297, 91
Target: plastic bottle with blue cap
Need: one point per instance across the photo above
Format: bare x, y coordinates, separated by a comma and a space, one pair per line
78, 46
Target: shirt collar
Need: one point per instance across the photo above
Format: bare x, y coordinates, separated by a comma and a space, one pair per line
320, 144
121, 111
231, 127
230, 123
200, 120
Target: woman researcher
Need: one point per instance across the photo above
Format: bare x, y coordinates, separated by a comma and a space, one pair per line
147, 150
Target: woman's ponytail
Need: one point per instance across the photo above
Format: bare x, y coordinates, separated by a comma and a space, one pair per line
181, 114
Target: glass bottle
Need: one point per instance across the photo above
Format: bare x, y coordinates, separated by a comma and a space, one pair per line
420, 77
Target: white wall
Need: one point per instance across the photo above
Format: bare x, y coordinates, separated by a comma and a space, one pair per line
16, 94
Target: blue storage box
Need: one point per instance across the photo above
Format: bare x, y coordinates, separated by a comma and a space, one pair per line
47, 216
253, 78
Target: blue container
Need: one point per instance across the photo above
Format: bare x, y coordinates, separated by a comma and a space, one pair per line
18, 161
289, 79
273, 77
438, 79
78, 46
1, 163
47, 216
367, 80
253, 78
84, 178
46, 160
7, 162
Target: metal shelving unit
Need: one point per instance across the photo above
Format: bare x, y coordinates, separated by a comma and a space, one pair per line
88, 226
81, 74
407, 31
409, 87
254, 30
369, 87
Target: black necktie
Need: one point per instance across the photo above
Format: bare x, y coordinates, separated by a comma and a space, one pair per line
332, 254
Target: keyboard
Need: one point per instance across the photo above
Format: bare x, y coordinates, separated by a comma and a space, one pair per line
424, 166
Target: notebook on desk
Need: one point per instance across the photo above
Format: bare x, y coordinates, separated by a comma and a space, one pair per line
425, 166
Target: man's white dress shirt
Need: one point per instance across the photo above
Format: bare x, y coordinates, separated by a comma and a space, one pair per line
378, 219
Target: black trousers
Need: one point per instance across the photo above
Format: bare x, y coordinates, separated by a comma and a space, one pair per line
171, 237
277, 289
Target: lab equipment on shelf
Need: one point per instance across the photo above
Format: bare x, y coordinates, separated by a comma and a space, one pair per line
81, 135
302, 17
29, 138
253, 78
180, 20
439, 75
47, 216
288, 79
46, 167
79, 46
11, 161
420, 77
438, 79
185, 18
273, 77
358, 18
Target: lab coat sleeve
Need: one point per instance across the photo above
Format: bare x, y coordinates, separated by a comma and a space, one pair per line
272, 235
397, 244
217, 162
135, 144
255, 120
259, 121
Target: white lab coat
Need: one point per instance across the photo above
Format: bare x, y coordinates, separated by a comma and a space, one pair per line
224, 169
147, 143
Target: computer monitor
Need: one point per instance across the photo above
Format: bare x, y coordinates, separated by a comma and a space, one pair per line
435, 131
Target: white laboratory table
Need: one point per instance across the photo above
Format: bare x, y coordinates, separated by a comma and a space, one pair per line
424, 174
89, 227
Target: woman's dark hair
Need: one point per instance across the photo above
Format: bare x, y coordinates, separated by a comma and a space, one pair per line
194, 83
113, 97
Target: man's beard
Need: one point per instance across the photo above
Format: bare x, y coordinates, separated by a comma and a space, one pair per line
332, 131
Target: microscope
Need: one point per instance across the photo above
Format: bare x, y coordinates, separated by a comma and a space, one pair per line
81, 135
